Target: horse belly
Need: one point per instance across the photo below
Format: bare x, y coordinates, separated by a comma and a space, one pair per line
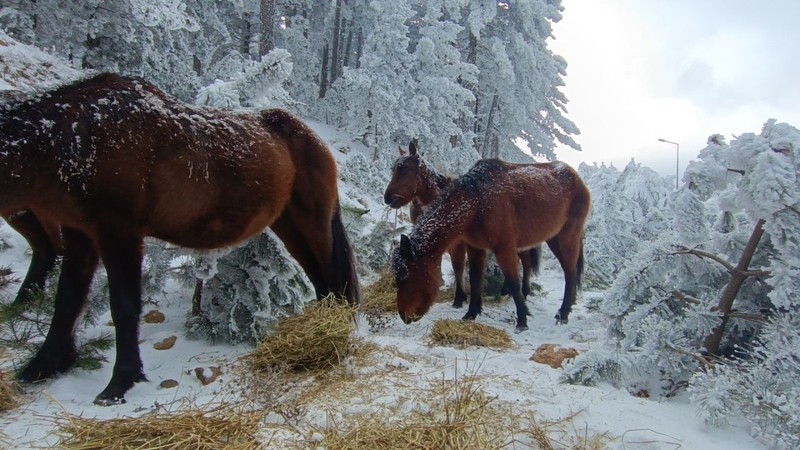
227, 208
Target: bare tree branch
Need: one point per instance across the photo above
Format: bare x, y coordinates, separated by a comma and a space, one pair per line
700, 358
702, 254
678, 295
758, 318
756, 273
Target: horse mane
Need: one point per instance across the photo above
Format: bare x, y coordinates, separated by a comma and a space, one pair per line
439, 179
469, 184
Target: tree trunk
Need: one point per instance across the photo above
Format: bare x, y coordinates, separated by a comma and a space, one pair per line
335, 50
359, 47
739, 274
323, 77
197, 311
487, 135
267, 38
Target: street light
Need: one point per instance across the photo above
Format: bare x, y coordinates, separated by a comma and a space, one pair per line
677, 157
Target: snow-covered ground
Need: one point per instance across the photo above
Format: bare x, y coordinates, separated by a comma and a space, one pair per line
406, 361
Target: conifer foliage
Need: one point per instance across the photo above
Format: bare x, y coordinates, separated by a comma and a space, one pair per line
711, 303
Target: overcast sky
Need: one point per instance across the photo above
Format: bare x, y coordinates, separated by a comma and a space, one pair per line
681, 70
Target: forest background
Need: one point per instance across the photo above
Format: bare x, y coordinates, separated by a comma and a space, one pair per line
700, 282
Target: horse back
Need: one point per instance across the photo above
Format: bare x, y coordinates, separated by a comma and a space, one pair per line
533, 202
117, 150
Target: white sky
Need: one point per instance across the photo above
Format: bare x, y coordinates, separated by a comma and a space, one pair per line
639, 70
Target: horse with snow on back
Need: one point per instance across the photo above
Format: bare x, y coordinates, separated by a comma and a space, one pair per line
415, 182
111, 160
500, 207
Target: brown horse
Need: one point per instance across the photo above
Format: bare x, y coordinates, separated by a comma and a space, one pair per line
500, 207
112, 160
414, 181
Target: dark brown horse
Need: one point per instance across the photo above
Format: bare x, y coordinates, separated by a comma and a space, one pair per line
500, 207
414, 181
111, 160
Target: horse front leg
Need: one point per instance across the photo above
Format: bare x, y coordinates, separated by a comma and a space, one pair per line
122, 256
477, 266
58, 352
458, 257
44, 253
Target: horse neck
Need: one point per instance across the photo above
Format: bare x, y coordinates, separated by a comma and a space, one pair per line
444, 223
431, 184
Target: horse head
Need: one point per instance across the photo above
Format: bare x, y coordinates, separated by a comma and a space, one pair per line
417, 277
406, 179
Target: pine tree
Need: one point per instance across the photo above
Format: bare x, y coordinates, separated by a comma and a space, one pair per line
711, 302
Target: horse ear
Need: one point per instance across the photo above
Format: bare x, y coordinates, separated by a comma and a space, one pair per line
402, 152
406, 248
412, 148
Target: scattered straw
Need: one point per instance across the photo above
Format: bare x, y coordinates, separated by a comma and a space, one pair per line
465, 333
447, 295
320, 337
8, 393
381, 296
220, 428
463, 419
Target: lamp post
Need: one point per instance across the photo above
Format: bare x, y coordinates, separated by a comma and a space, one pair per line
677, 157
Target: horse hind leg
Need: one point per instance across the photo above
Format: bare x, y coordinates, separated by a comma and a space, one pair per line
458, 259
44, 250
58, 352
508, 260
568, 249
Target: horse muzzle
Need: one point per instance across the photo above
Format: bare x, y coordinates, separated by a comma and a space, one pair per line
409, 318
393, 200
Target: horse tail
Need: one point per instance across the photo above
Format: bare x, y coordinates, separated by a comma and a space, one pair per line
580, 266
344, 261
536, 259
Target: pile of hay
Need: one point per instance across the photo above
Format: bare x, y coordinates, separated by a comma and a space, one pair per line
381, 296
221, 427
320, 337
8, 393
464, 419
462, 333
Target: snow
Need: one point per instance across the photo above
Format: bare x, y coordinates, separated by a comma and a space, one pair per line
408, 362
633, 422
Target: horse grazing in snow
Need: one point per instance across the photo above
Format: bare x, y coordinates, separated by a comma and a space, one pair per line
500, 207
414, 181
111, 160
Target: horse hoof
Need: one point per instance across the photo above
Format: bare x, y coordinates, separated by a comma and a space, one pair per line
561, 320
520, 329
458, 304
468, 317
101, 400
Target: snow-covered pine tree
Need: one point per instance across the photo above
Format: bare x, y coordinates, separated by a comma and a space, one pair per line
763, 380
668, 302
627, 212
250, 288
259, 85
